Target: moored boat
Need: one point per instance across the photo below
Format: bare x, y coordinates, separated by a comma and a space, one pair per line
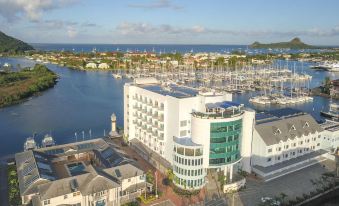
30, 144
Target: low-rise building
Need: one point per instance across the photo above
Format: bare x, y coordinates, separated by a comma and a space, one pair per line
84, 173
284, 141
91, 65
331, 135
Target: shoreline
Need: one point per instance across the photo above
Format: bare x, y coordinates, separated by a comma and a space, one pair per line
33, 83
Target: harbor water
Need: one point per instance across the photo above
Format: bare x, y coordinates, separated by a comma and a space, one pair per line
81, 103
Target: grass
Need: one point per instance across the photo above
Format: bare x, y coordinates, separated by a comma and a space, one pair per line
13, 186
17, 86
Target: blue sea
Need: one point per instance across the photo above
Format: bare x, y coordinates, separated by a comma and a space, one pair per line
163, 48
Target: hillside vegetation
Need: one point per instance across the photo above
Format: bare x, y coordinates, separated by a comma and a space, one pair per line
295, 43
12, 45
17, 86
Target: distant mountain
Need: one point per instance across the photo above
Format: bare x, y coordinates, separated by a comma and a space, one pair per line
295, 43
12, 45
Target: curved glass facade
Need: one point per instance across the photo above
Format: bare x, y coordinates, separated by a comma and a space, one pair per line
188, 166
225, 138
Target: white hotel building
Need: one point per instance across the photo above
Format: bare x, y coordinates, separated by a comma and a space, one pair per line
188, 130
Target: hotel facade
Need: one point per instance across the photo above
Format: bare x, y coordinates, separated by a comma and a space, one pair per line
191, 131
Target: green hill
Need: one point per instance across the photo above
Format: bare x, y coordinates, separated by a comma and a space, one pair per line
295, 43
12, 45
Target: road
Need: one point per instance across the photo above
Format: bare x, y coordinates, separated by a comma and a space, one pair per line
3, 184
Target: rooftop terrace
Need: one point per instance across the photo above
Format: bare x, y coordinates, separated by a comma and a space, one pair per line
171, 90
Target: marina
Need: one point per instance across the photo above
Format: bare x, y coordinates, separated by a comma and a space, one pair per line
83, 101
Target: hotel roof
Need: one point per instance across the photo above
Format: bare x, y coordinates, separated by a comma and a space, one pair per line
223, 105
282, 129
171, 90
37, 173
278, 114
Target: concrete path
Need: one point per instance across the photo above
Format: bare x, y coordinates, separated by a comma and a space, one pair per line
3, 184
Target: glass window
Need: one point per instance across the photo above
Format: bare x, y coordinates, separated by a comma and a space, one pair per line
183, 133
183, 123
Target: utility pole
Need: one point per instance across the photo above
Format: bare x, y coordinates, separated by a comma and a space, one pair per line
156, 185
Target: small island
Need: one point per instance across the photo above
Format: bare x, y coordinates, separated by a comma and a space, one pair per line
17, 86
295, 43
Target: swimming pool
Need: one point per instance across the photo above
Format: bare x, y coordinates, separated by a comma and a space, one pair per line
76, 168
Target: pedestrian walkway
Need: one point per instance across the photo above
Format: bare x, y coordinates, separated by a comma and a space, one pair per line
3, 185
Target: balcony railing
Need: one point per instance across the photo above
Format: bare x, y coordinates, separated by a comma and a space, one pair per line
226, 114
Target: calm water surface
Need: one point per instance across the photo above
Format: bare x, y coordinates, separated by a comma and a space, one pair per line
83, 101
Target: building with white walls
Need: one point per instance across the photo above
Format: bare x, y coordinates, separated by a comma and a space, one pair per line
84, 173
331, 135
190, 130
284, 141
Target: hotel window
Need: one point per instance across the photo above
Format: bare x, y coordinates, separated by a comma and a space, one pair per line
230, 138
65, 196
183, 123
183, 133
279, 149
318, 144
269, 150
269, 159
294, 144
278, 158
286, 146
301, 142
47, 202
286, 155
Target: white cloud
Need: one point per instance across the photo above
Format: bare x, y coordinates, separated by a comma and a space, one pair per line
157, 4
72, 32
128, 28
31, 9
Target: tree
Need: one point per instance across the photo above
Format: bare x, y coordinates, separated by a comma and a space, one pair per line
327, 85
150, 177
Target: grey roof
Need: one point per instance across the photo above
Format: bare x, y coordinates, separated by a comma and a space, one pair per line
186, 141
88, 183
36, 173
33, 169
283, 129
124, 171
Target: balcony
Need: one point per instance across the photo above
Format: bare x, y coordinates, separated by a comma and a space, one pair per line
217, 115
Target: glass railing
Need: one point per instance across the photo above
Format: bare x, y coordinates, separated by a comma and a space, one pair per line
226, 114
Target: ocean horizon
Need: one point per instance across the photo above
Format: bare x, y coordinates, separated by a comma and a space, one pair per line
161, 48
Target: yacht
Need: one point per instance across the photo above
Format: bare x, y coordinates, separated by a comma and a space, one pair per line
333, 112
117, 76
332, 67
7, 64
30, 144
48, 141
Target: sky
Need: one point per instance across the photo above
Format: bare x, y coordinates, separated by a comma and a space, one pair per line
171, 21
